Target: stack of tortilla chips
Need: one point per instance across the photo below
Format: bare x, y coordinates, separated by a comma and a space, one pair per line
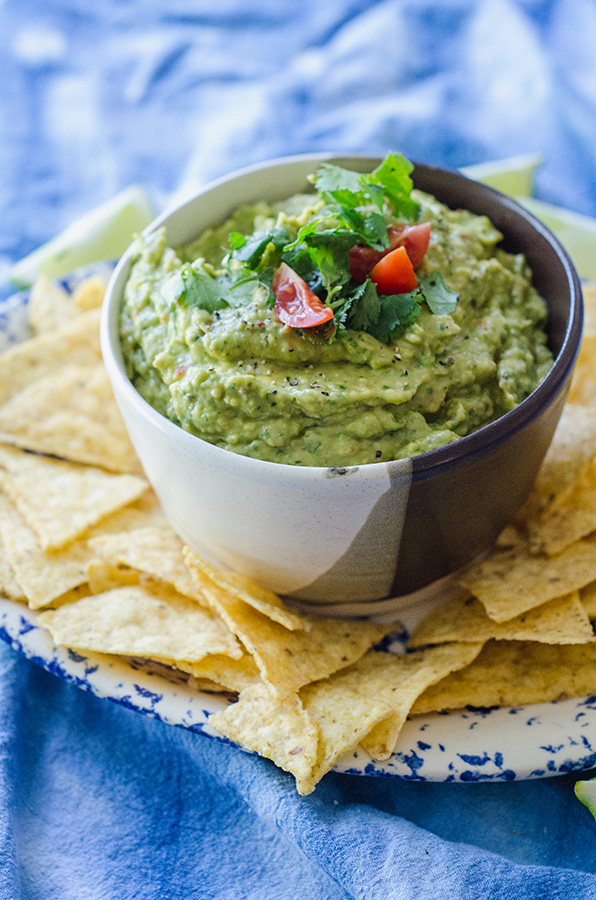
83, 542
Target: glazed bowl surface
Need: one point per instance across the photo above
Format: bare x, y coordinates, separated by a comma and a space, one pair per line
348, 538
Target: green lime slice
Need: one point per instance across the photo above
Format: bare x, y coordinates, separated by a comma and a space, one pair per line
512, 176
103, 233
576, 232
586, 792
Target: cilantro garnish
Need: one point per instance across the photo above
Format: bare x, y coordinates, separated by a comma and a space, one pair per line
358, 200
254, 247
392, 177
383, 316
441, 300
328, 252
357, 209
192, 285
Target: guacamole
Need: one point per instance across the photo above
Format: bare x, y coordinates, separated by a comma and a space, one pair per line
365, 371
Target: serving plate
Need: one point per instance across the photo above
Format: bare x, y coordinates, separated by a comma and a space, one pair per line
470, 745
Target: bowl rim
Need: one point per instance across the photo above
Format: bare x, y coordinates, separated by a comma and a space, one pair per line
465, 448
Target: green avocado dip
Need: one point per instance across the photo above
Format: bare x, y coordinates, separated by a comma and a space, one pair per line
360, 323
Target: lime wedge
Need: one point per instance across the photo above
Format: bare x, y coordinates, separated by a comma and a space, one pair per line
586, 792
576, 232
512, 176
103, 233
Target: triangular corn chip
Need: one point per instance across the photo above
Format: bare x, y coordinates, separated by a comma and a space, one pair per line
515, 673
559, 621
77, 342
244, 588
289, 659
60, 500
154, 622
71, 413
278, 729
513, 581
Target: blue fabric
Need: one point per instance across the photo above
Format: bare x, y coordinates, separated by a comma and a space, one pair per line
97, 801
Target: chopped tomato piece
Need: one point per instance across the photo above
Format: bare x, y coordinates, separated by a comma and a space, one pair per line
295, 304
394, 273
361, 261
415, 238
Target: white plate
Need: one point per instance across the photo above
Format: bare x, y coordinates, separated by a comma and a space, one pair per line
472, 745
482, 745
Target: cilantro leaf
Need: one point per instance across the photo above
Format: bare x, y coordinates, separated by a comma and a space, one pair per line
236, 240
349, 200
193, 286
350, 195
441, 300
330, 178
398, 311
240, 291
384, 316
364, 307
255, 245
299, 259
329, 252
371, 227
357, 204
392, 177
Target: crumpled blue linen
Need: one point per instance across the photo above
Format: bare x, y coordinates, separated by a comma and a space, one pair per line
100, 802
97, 801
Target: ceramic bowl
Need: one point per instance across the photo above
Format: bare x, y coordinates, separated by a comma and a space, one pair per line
352, 535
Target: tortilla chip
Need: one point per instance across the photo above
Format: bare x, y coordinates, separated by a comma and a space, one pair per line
511, 582
155, 551
9, 587
89, 293
589, 295
583, 385
61, 500
50, 306
103, 576
587, 597
278, 729
142, 513
246, 589
206, 686
511, 536
377, 679
70, 412
570, 520
344, 717
76, 593
154, 622
336, 713
34, 359
42, 576
571, 451
515, 673
559, 621
232, 674
288, 659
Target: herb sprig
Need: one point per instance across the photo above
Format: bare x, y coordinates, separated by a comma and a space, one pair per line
356, 210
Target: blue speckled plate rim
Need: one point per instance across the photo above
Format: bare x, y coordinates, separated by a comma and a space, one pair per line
467, 745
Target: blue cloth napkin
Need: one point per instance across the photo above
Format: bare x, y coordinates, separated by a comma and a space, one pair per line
97, 801
101, 803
